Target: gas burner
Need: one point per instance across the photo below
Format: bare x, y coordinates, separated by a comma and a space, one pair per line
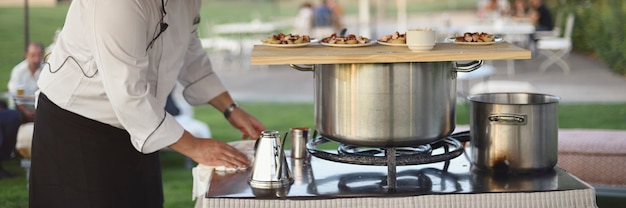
417, 155
391, 156
377, 151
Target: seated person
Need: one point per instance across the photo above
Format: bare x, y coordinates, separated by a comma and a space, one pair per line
9, 123
303, 23
519, 10
541, 16
23, 81
325, 20
492, 9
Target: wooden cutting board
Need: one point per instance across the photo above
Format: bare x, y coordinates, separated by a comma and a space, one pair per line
319, 54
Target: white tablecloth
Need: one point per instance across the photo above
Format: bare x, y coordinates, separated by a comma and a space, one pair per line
584, 198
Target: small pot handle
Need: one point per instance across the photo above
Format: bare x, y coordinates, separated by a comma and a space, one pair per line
300, 68
512, 119
471, 66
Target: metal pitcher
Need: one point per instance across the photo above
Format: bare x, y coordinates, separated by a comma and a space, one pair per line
270, 168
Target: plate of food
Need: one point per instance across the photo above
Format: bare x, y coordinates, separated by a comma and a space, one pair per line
395, 39
349, 41
475, 39
344, 45
288, 41
391, 44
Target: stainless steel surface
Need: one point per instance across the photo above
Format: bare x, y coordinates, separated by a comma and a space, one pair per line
386, 104
322, 179
514, 132
299, 138
548, 180
302, 172
270, 169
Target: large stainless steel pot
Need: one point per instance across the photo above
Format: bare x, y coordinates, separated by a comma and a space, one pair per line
386, 104
514, 132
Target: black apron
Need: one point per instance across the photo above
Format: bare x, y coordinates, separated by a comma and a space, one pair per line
80, 162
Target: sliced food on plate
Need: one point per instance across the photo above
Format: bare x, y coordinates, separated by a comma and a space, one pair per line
395, 38
350, 39
287, 39
475, 37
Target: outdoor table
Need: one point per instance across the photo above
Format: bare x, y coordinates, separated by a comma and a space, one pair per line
322, 183
28, 100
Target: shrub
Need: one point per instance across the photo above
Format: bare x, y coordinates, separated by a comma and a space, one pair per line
599, 29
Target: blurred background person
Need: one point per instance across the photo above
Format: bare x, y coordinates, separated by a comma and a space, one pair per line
337, 10
23, 81
9, 123
324, 21
541, 16
492, 9
303, 22
520, 9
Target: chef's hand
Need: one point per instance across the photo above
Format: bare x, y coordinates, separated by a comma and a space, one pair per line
210, 152
249, 126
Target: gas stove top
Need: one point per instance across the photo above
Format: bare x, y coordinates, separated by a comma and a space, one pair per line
316, 178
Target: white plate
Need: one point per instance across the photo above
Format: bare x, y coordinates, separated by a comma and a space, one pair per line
349, 45
291, 45
453, 40
391, 44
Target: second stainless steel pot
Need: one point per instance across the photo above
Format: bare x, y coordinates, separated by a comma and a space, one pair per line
514, 132
387, 104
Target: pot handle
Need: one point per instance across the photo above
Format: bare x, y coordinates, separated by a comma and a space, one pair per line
471, 66
300, 68
512, 119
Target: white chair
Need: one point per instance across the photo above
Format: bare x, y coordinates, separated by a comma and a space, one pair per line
557, 48
556, 30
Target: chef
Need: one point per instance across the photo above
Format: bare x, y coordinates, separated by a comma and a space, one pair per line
100, 114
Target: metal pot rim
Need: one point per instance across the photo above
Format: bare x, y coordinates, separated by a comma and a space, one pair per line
524, 98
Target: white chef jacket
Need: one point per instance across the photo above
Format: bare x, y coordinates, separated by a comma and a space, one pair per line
115, 80
21, 78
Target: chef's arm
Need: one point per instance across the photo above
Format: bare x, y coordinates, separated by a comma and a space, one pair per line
249, 126
222, 101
